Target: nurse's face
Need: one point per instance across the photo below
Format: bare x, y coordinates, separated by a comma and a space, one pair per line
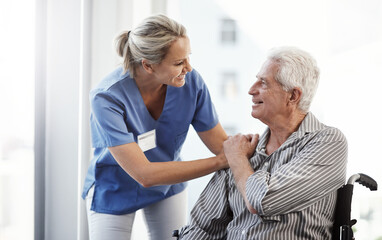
172, 70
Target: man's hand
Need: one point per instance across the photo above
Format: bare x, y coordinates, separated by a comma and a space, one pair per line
238, 149
240, 146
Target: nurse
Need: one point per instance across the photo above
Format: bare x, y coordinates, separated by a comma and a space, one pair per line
140, 117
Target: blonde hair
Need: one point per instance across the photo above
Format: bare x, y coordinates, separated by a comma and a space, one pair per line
150, 40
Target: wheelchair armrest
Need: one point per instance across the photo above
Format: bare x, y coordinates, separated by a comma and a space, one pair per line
364, 180
367, 182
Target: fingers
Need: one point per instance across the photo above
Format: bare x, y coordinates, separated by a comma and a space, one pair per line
252, 138
255, 139
249, 136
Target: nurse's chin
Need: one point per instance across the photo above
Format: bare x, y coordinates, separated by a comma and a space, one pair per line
178, 83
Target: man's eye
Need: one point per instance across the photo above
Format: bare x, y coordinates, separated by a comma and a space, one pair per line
178, 64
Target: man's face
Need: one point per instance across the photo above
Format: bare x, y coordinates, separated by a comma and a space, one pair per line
269, 99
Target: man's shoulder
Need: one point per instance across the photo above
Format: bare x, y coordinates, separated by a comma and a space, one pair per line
333, 133
317, 128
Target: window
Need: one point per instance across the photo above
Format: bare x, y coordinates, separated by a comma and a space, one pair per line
229, 86
228, 31
17, 120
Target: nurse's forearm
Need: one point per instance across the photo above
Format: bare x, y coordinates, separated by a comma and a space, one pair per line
146, 173
164, 173
214, 138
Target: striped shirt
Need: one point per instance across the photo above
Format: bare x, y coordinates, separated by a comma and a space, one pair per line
293, 190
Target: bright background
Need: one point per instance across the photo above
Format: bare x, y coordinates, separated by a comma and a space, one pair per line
53, 52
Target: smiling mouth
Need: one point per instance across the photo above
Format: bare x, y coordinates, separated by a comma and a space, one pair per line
182, 76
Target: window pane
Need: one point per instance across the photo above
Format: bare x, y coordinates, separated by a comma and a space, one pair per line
228, 31
17, 120
229, 86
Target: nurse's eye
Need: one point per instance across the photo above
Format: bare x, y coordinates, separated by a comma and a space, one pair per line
178, 64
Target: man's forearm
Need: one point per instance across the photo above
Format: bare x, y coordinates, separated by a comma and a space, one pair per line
241, 170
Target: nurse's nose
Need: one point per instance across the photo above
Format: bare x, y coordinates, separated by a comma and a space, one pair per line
188, 67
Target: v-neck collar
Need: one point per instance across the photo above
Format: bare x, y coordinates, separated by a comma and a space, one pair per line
143, 105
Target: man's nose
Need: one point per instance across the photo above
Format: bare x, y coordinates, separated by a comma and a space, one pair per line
252, 90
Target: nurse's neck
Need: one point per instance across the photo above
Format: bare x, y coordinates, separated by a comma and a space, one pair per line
147, 82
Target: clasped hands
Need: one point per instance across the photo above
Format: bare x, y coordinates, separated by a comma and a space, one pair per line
240, 148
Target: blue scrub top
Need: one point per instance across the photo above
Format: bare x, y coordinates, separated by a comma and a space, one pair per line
119, 115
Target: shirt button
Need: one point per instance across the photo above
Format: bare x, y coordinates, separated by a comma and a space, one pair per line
265, 166
243, 232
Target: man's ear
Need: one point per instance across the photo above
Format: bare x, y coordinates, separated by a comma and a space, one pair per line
147, 66
295, 96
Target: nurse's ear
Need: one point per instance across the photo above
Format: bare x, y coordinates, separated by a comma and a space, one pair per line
147, 66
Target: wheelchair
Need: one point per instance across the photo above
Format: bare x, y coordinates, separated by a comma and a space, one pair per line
342, 226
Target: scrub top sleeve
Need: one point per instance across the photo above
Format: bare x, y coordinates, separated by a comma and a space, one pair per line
107, 122
205, 116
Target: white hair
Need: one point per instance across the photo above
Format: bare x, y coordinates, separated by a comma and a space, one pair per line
150, 40
297, 68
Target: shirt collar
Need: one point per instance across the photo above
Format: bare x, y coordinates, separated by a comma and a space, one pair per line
308, 125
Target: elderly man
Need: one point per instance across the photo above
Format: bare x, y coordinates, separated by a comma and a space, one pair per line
283, 184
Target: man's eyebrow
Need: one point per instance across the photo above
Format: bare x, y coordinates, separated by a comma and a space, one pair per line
261, 78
